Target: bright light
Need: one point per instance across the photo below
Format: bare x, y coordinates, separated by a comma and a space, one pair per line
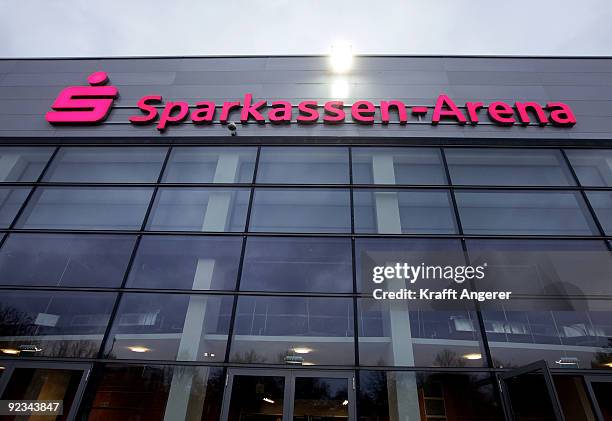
138, 348
345, 403
472, 356
1, 368
268, 400
339, 89
307, 363
608, 365
302, 350
10, 351
341, 57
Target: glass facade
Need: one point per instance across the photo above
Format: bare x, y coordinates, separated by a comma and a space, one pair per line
171, 268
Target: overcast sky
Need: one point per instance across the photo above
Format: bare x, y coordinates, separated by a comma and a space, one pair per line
70, 28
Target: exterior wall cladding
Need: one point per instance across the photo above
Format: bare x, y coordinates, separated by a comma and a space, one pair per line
27, 87
193, 275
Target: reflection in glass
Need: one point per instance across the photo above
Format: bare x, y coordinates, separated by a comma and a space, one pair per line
567, 333
22, 163
199, 209
170, 327
403, 212
94, 208
418, 166
601, 201
404, 334
210, 165
257, 398
43, 384
592, 166
524, 213
397, 395
155, 392
371, 252
11, 199
297, 265
543, 267
53, 324
173, 262
301, 210
508, 167
303, 165
106, 164
293, 330
321, 398
530, 398
65, 259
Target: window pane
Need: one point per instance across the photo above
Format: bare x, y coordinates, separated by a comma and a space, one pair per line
403, 212
199, 209
261, 397
419, 166
107, 165
198, 263
96, 208
301, 210
53, 323
303, 165
170, 327
371, 252
293, 330
524, 213
592, 166
402, 333
65, 260
157, 392
567, 333
210, 165
23, 164
399, 395
601, 202
297, 265
11, 199
508, 167
544, 267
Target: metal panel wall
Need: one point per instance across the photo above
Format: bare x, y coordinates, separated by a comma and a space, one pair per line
28, 87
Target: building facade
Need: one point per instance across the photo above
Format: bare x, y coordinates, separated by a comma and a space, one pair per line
172, 262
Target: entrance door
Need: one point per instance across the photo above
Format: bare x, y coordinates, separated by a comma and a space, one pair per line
600, 389
33, 381
529, 394
288, 395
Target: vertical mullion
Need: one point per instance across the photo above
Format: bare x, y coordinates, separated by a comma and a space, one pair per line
481, 325
128, 268
232, 321
353, 260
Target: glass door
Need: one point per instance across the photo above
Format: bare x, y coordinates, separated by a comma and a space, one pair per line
256, 395
600, 389
288, 395
529, 394
322, 396
33, 381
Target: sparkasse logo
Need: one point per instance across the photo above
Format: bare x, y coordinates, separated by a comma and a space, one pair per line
84, 104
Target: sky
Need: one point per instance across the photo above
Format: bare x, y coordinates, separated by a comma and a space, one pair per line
109, 28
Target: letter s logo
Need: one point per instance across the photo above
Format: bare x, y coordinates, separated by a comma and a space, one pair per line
84, 104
